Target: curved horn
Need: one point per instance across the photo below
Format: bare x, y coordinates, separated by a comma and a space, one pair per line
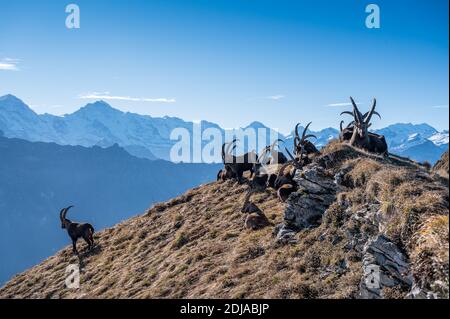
230, 145
369, 117
262, 156
296, 141
223, 151
289, 154
63, 212
304, 132
340, 125
374, 113
296, 164
296, 130
357, 114
276, 143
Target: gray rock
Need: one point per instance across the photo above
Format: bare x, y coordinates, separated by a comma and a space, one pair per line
339, 177
284, 234
316, 192
420, 293
384, 265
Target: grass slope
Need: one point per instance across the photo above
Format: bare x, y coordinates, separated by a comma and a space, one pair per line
195, 246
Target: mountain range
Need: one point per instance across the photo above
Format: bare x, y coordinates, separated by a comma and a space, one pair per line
99, 124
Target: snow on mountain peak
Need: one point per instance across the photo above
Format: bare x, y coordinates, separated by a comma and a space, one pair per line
413, 137
440, 138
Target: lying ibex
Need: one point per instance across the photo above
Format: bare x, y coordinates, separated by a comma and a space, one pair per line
347, 133
284, 183
238, 164
361, 136
260, 173
303, 143
255, 219
77, 230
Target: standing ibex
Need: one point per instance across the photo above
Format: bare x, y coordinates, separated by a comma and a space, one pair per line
361, 137
77, 230
238, 164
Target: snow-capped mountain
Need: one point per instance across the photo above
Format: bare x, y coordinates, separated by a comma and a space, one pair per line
150, 137
417, 141
440, 138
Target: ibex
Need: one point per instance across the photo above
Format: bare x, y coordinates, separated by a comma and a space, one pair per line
238, 164
265, 171
255, 219
225, 173
284, 183
303, 143
347, 133
361, 136
77, 230
277, 157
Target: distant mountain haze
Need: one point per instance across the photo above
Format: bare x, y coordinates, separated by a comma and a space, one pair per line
149, 137
106, 185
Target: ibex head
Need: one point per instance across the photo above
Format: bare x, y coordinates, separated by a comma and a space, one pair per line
299, 143
226, 152
356, 115
62, 216
362, 122
269, 149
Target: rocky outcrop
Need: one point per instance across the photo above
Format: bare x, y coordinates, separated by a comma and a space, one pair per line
384, 266
316, 192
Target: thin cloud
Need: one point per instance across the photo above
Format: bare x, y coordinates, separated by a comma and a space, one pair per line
341, 104
108, 96
8, 64
275, 97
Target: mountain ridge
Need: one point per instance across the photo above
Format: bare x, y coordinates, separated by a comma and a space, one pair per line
369, 211
98, 123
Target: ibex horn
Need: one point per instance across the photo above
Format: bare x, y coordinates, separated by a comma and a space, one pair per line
63, 213
357, 114
372, 111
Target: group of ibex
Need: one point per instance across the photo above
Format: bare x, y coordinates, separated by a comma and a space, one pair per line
274, 171
264, 172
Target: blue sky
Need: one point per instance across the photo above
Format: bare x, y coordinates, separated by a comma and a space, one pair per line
229, 61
